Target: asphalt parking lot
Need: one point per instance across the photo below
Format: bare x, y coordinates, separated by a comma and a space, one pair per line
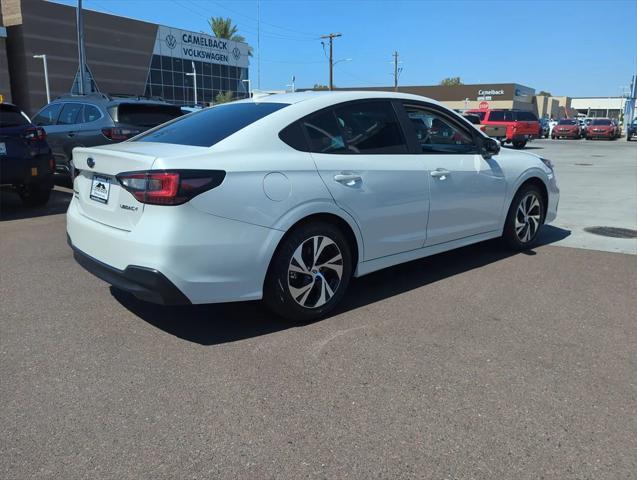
473, 364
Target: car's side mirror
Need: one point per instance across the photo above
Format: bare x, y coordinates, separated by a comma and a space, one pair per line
490, 147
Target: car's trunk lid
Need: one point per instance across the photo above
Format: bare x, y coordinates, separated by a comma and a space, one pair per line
100, 196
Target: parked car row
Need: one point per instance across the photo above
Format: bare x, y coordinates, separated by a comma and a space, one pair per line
31, 152
98, 119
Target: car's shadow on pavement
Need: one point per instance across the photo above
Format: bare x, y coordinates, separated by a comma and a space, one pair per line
221, 323
12, 208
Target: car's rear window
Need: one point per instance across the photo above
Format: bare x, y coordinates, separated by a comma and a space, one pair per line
501, 116
526, 116
209, 126
567, 121
146, 114
601, 122
11, 116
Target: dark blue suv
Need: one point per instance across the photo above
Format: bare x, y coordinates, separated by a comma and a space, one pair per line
26, 163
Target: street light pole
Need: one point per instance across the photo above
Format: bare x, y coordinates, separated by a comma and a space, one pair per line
249, 88
46, 77
194, 80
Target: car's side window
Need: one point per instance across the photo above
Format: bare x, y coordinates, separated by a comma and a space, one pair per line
324, 134
371, 128
69, 114
91, 113
48, 116
437, 134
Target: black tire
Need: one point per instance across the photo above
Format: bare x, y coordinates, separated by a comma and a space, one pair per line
588, 138
552, 137
36, 194
519, 144
510, 237
279, 281
628, 138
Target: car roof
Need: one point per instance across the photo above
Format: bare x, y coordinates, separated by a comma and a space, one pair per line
332, 97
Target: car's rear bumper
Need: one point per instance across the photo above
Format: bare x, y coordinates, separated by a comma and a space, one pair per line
23, 171
208, 259
145, 283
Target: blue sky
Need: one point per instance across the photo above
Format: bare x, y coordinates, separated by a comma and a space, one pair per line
568, 47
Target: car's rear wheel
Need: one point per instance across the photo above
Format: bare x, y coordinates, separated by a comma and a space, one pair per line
35, 194
524, 219
309, 272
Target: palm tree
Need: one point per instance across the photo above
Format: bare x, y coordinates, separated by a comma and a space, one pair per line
223, 28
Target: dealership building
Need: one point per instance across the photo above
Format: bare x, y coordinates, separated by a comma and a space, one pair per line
123, 56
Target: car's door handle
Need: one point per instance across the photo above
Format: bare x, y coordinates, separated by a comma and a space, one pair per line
440, 173
348, 179
70, 134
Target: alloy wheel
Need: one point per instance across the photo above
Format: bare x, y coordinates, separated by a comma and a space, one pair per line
315, 271
527, 218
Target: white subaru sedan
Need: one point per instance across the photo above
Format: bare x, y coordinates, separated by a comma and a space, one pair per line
285, 198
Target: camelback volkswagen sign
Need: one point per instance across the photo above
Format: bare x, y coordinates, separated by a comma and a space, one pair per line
173, 42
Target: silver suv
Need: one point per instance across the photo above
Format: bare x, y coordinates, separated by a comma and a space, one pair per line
97, 119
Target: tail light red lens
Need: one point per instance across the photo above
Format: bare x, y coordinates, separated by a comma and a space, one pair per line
34, 134
169, 187
118, 134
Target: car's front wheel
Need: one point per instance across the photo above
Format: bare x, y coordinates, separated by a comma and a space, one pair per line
524, 219
309, 272
519, 144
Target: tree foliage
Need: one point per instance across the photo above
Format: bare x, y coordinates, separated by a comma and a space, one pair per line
319, 86
451, 82
224, 28
224, 97
545, 94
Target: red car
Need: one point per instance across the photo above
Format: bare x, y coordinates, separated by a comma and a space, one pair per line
602, 128
521, 126
567, 128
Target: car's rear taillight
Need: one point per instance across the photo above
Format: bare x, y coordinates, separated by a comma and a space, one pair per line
119, 134
169, 187
34, 134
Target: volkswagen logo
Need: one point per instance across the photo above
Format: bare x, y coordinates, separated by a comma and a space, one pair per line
171, 41
90, 162
236, 53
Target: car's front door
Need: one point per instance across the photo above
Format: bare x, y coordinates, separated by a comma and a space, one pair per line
466, 190
361, 154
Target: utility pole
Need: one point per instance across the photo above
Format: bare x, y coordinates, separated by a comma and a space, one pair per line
80, 47
397, 71
331, 37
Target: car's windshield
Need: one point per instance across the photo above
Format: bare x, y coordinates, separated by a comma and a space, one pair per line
601, 122
11, 116
635, 122
567, 121
209, 126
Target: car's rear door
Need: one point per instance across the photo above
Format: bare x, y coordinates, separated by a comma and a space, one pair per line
362, 156
467, 191
47, 119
